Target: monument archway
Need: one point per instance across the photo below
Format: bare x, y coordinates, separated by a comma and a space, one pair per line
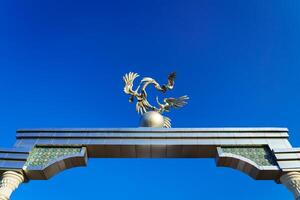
261, 153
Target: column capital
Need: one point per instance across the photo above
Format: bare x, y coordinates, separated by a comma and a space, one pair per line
10, 181
292, 181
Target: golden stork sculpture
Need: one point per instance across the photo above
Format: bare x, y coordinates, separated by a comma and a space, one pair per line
152, 116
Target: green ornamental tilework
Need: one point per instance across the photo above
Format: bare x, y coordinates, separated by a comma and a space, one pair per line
41, 156
262, 156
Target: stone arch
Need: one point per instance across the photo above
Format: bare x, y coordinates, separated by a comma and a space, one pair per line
261, 167
45, 162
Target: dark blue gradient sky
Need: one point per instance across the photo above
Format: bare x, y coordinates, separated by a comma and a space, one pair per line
62, 64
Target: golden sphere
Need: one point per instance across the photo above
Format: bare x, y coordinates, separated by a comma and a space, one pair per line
152, 119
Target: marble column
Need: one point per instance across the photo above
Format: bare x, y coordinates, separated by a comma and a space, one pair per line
10, 181
292, 181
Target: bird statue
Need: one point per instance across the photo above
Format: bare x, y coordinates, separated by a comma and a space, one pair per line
143, 106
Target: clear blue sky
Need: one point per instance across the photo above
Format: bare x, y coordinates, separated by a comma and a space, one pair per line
62, 64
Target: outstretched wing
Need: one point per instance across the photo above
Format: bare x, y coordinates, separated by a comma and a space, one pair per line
167, 122
177, 102
128, 79
171, 80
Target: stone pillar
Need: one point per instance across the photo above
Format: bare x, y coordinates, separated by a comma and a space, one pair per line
10, 181
292, 181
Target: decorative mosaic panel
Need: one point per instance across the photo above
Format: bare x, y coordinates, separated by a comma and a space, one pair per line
262, 156
41, 156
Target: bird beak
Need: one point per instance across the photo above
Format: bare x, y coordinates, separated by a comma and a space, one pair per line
131, 99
